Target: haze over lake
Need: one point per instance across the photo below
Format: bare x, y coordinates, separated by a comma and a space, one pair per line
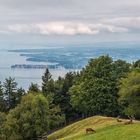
23, 76
70, 58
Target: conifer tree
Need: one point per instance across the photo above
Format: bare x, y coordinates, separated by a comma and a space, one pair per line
47, 83
1, 98
10, 92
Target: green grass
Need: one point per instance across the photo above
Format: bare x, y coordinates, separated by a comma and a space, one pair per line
107, 128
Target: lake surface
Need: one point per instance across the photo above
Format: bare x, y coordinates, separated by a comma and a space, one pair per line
23, 76
69, 55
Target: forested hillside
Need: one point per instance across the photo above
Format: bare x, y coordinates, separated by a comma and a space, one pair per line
104, 87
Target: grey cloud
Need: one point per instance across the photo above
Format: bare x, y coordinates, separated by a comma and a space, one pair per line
63, 9
65, 28
69, 16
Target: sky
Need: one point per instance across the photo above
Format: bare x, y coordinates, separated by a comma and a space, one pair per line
69, 20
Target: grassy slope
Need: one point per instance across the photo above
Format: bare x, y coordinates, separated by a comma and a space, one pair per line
107, 129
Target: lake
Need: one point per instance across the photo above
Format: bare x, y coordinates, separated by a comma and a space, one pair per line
23, 76
73, 57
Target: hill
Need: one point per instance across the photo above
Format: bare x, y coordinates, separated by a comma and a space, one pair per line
107, 128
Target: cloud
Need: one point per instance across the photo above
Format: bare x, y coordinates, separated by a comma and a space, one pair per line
97, 19
22, 11
65, 28
128, 22
112, 25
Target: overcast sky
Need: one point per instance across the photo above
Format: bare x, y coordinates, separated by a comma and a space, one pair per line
94, 19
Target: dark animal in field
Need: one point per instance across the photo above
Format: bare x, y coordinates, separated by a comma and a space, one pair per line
118, 120
130, 121
89, 130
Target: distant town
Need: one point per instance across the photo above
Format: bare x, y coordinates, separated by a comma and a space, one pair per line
24, 66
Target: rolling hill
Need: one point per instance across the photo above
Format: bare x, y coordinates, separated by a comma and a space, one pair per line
107, 128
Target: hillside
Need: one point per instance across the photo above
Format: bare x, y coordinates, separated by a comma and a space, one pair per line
107, 128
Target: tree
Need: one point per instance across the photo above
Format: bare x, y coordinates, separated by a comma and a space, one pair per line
27, 120
1, 92
96, 91
77, 101
47, 83
34, 88
2, 105
10, 92
136, 64
62, 96
121, 68
130, 94
56, 116
2, 121
20, 93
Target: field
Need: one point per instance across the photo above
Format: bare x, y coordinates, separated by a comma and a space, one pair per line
107, 128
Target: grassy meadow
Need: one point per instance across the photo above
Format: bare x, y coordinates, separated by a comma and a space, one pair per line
107, 128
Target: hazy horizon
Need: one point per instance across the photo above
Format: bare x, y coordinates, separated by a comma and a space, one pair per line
71, 21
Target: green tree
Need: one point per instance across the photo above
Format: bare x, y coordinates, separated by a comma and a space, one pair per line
136, 64
47, 83
34, 88
96, 91
2, 121
130, 94
56, 117
20, 93
77, 101
2, 104
121, 68
62, 96
10, 92
28, 119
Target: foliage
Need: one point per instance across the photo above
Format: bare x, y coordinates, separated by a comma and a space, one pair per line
2, 121
130, 93
2, 103
96, 91
47, 83
62, 96
136, 64
28, 120
56, 117
34, 88
10, 95
10, 92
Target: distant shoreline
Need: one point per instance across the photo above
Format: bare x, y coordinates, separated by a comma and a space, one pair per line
25, 66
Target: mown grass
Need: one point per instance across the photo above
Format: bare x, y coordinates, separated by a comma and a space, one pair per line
107, 129
115, 132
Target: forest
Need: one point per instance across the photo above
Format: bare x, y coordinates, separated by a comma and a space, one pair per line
104, 87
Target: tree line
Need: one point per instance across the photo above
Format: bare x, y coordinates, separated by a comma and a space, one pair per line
103, 87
